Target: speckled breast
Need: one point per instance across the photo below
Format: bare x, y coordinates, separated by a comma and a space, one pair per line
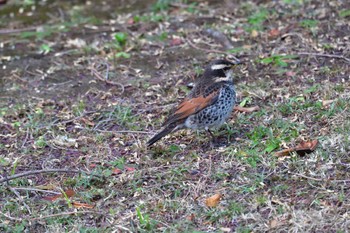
214, 115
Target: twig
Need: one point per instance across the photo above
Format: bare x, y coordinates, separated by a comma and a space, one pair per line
122, 131
26, 138
21, 79
11, 218
206, 50
38, 172
107, 71
325, 55
185, 6
99, 77
75, 118
106, 120
340, 181
57, 121
132, 131
65, 213
219, 37
20, 198
211, 50
318, 179
307, 177
122, 228
10, 31
249, 110
36, 190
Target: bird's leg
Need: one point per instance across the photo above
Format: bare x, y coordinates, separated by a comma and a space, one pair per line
211, 134
213, 138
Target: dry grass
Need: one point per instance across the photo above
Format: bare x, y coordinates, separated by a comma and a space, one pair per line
60, 112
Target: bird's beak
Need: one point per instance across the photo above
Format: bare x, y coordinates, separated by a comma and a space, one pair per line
235, 63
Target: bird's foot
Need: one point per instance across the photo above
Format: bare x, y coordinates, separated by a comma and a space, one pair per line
216, 142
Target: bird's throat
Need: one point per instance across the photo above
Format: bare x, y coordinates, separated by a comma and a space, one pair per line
228, 77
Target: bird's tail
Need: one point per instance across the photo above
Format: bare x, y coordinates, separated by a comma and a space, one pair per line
161, 134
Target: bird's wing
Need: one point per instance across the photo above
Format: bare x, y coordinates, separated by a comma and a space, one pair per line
191, 106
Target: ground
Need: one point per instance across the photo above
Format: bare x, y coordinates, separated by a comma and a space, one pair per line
84, 85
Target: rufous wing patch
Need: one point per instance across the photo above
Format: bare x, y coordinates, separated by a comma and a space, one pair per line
190, 106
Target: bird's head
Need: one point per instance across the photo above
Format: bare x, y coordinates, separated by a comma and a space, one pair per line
220, 70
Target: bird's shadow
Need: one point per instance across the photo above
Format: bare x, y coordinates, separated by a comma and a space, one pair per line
224, 137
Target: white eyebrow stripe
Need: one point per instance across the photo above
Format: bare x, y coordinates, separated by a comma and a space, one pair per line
218, 66
220, 79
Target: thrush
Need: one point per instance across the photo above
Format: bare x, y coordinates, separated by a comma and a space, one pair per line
209, 103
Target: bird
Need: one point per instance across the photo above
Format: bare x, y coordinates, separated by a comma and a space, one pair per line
208, 104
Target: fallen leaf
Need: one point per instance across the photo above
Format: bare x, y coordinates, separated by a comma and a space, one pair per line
69, 193
284, 152
64, 141
327, 102
175, 41
310, 144
273, 223
290, 74
239, 30
213, 200
52, 198
247, 47
87, 121
249, 110
254, 33
305, 147
82, 205
278, 222
191, 217
116, 171
195, 172
274, 33
46, 187
130, 169
159, 65
130, 21
77, 43
226, 229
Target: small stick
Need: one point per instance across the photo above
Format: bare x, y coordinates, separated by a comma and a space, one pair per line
26, 138
318, 179
107, 71
99, 77
20, 198
37, 190
220, 37
62, 214
57, 121
325, 55
211, 50
308, 177
11, 218
249, 110
19, 30
38, 172
122, 131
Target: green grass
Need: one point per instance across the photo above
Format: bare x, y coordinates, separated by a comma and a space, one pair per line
344, 13
257, 19
278, 60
